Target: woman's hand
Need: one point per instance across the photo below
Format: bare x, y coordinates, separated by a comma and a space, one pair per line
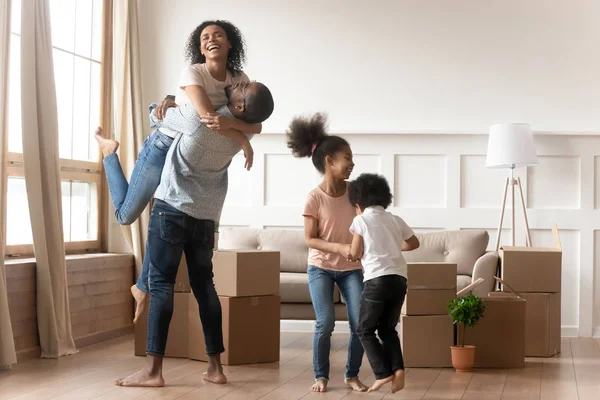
249, 154
161, 110
217, 122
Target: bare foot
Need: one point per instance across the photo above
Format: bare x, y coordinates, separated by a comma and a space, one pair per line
107, 146
379, 383
319, 386
356, 385
141, 379
215, 374
398, 382
141, 299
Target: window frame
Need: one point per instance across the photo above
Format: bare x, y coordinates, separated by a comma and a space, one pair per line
72, 170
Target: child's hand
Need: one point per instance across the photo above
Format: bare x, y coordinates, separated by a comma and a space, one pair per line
344, 251
249, 154
217, 122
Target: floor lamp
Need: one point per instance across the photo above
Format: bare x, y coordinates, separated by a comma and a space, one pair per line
511, 146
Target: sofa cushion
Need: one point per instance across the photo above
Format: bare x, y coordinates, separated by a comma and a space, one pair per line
293, 288
462, 247
290, 244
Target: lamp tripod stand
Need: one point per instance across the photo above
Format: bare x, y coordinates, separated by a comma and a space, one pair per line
513, 182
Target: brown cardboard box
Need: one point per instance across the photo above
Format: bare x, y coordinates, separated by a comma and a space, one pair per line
426, 340
499, 337
425, 275
533, 269
542, 324
182, 281
250, 330
427, 301
240, 273
177, 341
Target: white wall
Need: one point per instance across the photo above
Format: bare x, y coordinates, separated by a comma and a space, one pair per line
385, 68
405, 65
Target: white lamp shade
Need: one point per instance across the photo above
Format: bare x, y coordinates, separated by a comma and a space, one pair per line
511, 146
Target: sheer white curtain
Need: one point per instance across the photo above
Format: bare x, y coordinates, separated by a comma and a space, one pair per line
7, 343
42, 178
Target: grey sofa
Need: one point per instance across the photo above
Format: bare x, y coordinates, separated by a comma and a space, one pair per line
466, 248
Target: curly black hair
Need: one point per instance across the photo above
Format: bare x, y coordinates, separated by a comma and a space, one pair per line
369, 190
237, 54
305, 132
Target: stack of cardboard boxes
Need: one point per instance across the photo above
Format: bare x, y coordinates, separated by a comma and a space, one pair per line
247, 283
535, 273
427, 331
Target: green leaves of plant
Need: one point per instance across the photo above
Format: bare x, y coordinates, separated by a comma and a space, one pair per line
466, 310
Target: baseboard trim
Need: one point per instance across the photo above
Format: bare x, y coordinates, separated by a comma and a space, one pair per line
29, 354
103, 336
303, 326
569, 331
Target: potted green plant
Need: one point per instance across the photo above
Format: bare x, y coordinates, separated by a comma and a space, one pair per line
465, 312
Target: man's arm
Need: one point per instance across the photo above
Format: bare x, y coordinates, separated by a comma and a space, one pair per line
182, 119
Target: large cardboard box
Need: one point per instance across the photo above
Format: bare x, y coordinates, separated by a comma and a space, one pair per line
177, 341
542, 324
426, 340
427, 301
499, 337
533, 269
240, 273
427, 275
250, 330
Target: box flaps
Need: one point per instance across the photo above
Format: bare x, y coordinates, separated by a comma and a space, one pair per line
470, 287
509, 288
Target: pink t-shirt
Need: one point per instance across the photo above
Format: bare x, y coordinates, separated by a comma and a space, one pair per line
334, 216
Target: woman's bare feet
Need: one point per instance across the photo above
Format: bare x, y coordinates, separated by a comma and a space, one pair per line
214, 373
356, 385
107, 146
142, 378
398, 381
319, 386
141, 299
379, 383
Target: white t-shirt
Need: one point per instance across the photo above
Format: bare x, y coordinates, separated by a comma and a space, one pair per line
383, 234
198, 74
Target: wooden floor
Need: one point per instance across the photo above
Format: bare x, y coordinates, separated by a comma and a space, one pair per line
574, 374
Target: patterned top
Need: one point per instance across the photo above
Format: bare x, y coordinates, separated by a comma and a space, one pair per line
194, 178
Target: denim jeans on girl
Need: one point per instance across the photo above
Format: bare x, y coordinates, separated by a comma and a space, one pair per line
170, 234
320, 284
130, 198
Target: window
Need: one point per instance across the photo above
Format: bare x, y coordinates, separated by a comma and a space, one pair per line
77, 53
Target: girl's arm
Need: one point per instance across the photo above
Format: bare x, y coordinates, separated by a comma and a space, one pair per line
357, 247
412, 243
313, 241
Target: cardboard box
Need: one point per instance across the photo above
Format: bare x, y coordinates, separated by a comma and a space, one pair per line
431, 276
499, 337
427, 301
177, 341
426, 340
250, 330
240, 273
182, 281
542, 324
533, 269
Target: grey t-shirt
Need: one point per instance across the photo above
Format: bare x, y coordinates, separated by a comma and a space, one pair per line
194, 178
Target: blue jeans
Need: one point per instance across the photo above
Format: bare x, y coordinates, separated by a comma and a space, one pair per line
320, 284
170, 234
130, 199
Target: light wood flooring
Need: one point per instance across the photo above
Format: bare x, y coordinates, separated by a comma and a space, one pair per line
574, 374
